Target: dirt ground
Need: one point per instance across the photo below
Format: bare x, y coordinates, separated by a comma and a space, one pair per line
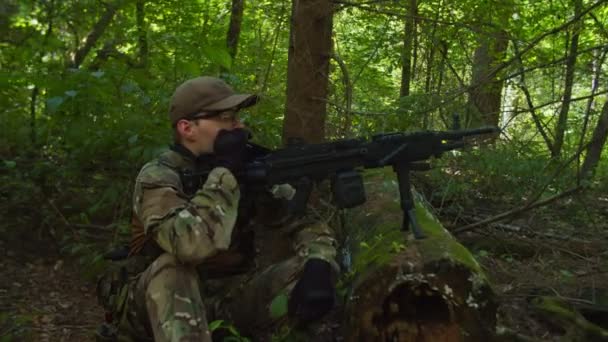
558, 250
43, 296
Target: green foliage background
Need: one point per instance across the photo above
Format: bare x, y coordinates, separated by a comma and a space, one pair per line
73, 138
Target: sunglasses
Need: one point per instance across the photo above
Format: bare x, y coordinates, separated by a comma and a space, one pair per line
230, 115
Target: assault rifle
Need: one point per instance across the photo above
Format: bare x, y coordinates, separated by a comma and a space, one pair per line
341, 161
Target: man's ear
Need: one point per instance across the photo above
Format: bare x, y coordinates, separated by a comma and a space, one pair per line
184, 128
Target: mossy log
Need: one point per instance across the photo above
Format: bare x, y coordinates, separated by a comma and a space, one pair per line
567, 317
402, 289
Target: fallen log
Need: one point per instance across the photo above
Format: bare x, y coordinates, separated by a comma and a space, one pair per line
567, 317
413, 290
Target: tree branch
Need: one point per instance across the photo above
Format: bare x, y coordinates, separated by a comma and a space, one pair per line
348, 92
535, 117
518, 55
556, 101
540, 37
516, 211
94, 36
551, 63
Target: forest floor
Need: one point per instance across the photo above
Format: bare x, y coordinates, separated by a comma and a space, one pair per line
546, 251
560, 250
43, 296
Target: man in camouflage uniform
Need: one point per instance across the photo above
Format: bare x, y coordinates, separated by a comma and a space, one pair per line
197, 240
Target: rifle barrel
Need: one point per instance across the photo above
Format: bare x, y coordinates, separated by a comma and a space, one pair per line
458, 134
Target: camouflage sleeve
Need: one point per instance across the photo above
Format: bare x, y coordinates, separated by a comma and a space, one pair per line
316, 240
192, 230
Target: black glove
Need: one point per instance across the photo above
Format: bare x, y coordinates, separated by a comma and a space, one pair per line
230, 148
314, 293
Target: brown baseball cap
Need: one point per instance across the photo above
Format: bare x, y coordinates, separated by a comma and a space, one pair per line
206, 94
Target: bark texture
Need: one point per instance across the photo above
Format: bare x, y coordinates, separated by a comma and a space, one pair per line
598, 141
142, 35
234, 29
408, 43
562, 119
486, 92
307, 70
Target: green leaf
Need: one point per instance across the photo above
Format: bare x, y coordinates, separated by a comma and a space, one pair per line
233, 339
190, 67
133, 139
218, 55
483, 253
54, 102
135, 152
278, 306
128, 88
97, 258
76, 248
233, 331
215, 324
71, 93
10, 164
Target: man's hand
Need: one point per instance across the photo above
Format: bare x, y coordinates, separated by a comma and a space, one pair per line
314, 294
230, 148
283, 191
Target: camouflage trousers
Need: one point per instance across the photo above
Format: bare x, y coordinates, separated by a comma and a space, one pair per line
170, 301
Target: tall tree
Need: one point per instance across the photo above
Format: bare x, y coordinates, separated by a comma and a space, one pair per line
408, 45
142, 38
562, 119
307, 70
234, 28
486, 88
596, 146
100, 26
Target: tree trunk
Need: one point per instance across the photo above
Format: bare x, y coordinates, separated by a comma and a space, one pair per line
485, 95
598, 140
142, 36
429, 290
94, 36
307, 70
562, 119
234, 28
486, 88
50, 8
443, 49
343, 130
275, 43
408, 39
431, 46
535, 117
33, 103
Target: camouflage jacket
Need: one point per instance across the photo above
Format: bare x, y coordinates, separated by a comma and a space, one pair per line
191, 227
214, 226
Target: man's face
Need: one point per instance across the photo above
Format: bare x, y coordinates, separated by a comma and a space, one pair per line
198, 134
